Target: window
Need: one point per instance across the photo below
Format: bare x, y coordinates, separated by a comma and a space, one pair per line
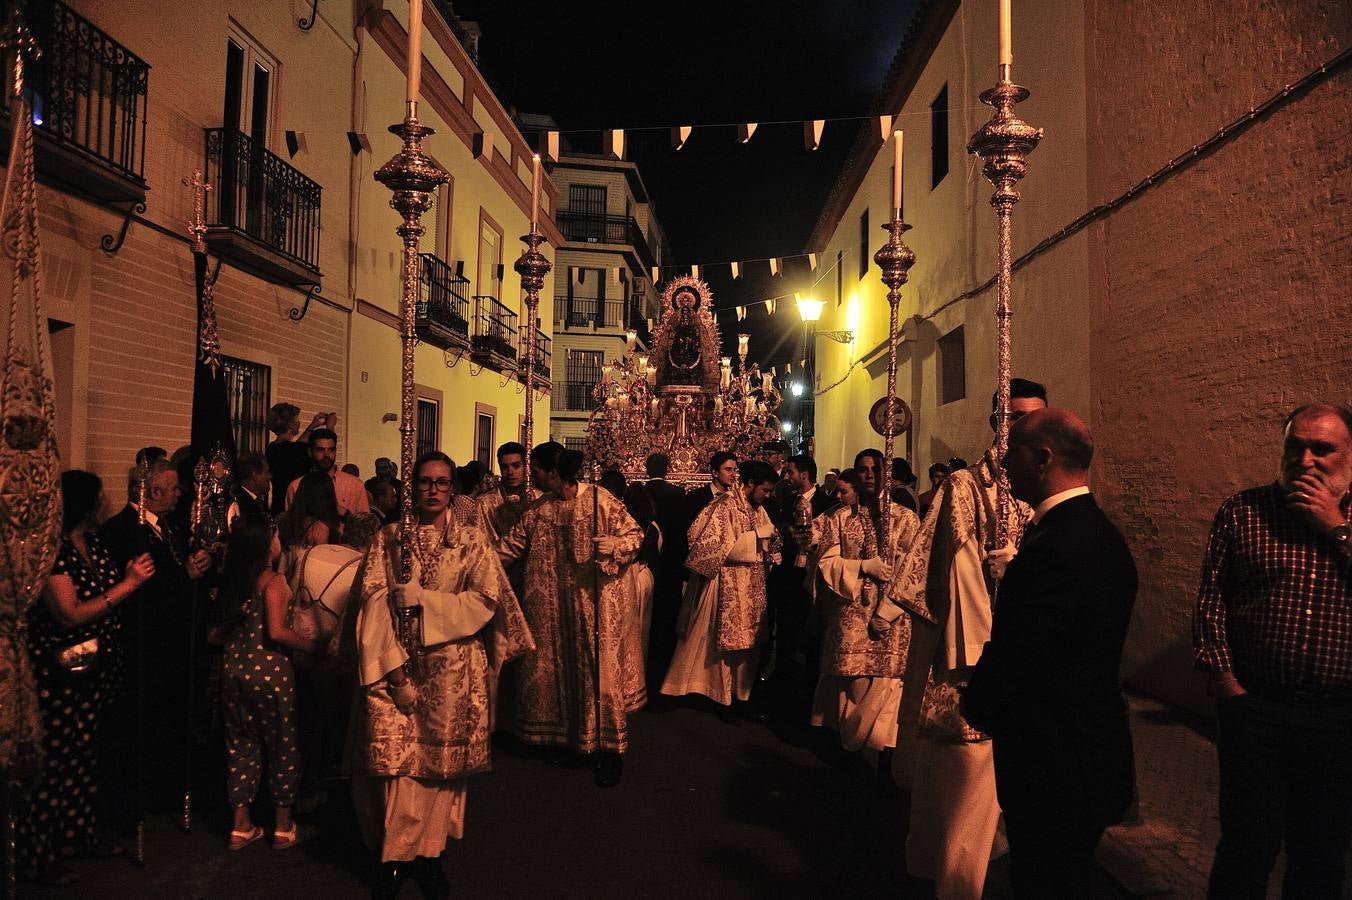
939, 138
584, 371
483, 439
952, 367
588, 200
490, 259
863, 245
250, 76
248, 388
575, 443
427, 430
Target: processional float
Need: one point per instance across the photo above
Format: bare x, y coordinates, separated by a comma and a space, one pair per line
683, 398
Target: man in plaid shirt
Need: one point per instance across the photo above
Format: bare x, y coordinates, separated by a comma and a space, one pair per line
1273, 625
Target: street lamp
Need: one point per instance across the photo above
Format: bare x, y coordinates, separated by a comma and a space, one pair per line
809, 310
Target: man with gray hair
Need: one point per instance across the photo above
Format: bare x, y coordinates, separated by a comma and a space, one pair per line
1272, 626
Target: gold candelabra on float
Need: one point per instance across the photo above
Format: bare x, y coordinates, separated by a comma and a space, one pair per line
412, 176
737, 408
1004, 143
532, 266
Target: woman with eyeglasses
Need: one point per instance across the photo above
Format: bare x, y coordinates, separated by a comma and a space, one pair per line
576, 541
425, 647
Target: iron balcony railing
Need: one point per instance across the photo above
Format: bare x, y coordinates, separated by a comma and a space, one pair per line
443, 301
544, 353
260, 195
573, 396
88, 91
495, 328
579, 312
589, 228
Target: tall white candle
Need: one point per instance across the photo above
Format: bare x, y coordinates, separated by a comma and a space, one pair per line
897, 160
1006, 39
414, 49
535, 193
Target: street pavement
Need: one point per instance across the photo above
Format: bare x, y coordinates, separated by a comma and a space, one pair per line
706, 809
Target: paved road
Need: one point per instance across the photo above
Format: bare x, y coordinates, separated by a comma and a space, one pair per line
705, 810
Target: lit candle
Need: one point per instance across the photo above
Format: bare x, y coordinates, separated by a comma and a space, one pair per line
726, 365
767, 382
535, 193
718, 406
414, 49
630, 339
643, 362
656, 406
652, 375
897, 159
1006, 40
742, 341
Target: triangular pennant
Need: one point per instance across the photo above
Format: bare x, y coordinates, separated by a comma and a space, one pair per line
744, 132
295, 143
679, 135
614, 274
549, 145
483, 145
771, 305
788, 368
812, 133
657, 275
578, 275
694, 272
615, 142
884, 128
736, 270
741, 313
812, 260
774, 265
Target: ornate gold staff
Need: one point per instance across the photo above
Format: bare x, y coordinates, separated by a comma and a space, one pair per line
1004, 143
532, 266
895, 260
412, 175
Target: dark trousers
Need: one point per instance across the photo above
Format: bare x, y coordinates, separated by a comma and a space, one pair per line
1050, 854
1286, 776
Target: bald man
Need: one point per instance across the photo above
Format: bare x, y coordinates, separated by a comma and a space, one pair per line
1046, 687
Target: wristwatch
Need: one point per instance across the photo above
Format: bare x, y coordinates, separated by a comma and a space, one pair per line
1341, 536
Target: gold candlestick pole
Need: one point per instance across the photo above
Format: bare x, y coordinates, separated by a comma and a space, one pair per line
895, 260
1004, 143
532, 266
412, 175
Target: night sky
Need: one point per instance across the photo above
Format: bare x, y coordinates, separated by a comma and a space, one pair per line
642, 64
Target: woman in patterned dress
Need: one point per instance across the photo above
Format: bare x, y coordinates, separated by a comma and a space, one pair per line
260, 684
73, 636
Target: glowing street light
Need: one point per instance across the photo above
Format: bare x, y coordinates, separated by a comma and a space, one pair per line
788, 427
796, 389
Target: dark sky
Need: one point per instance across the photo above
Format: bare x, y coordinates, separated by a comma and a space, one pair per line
632, 65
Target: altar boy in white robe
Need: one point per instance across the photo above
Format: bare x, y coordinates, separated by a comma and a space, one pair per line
723, 621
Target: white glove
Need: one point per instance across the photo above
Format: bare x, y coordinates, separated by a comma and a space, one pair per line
606, 544
764, 531
405, 696
876, 568
410, 594
997, 561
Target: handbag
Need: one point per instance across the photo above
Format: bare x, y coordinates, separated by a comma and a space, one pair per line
79, 658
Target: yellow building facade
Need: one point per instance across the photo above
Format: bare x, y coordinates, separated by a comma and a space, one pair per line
288, 124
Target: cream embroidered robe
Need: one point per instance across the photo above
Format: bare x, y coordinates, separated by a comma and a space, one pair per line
413, 767
722, 618
859, 689
556, 689
498, 515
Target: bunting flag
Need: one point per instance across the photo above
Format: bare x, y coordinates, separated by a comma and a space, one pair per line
615, 142
359, 142
549, 146
736, 270
657, 275
884, 128
679, 135
579, 274
694, 272
741, 313
483, 145
788, 368
614, 274
295, 143
812, 261
812, 133
774, 265
772, 304
744, 132
652, 325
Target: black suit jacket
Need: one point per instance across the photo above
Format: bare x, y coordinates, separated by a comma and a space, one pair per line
166, 598
669, 506
1047, 687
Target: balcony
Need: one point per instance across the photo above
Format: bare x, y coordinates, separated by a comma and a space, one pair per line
495, 333
544, 352
586, 228
573, 396
89, 96
581, 312
263, 214
443, 304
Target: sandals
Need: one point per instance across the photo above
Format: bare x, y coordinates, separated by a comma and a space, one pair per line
299, 834
241, 839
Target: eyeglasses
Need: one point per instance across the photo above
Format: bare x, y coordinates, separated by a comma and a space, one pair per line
440, 484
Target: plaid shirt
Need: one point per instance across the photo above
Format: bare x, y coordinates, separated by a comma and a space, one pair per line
1275, 603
